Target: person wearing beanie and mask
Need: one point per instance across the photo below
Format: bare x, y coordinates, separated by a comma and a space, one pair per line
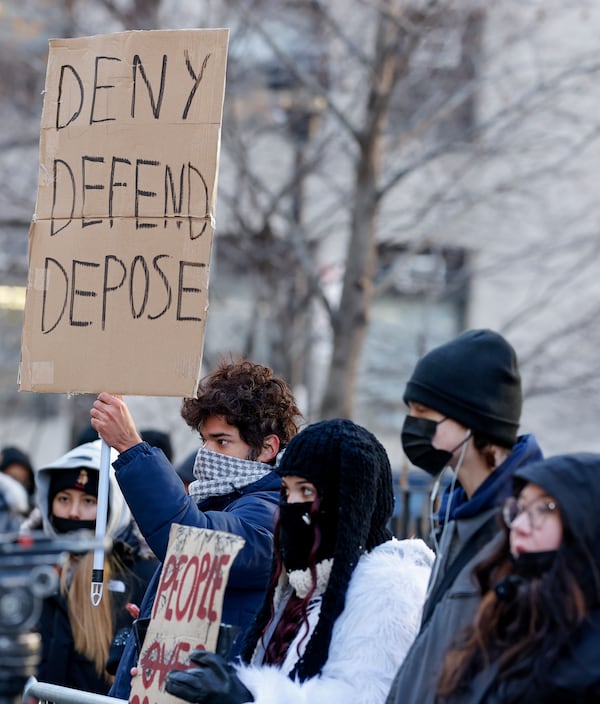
345, 597
77, 637
464, 399
536, 634
245, 416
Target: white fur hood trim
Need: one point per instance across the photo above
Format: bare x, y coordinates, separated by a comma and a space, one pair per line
370, 638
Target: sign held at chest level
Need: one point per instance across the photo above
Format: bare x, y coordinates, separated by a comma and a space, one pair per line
187, 610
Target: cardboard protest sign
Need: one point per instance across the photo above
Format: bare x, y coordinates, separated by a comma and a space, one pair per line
121, 238
188, 606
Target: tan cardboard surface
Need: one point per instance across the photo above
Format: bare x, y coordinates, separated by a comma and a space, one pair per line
120, 242
188, 607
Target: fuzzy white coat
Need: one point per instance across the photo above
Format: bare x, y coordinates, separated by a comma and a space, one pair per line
370, 638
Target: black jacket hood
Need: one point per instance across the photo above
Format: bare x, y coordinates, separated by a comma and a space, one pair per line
574, 481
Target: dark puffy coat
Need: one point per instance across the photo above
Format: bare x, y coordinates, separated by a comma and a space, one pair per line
574, 679
60, 662
157, 499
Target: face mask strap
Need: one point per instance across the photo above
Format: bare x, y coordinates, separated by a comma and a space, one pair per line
461, 457
432, 499
463, 444
436, 487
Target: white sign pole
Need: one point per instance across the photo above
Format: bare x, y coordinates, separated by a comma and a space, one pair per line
101, 516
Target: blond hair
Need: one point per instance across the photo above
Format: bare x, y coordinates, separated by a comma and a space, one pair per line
92, 626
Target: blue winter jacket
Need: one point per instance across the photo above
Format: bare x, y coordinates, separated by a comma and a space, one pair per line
157, 499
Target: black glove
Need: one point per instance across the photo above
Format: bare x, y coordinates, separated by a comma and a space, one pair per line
213, 682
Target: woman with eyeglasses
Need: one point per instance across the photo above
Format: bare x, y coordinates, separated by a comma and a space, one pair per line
536, 635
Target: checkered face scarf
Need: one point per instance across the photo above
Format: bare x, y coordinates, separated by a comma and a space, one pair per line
218, 474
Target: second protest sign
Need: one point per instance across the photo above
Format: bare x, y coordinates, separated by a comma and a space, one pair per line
187, 609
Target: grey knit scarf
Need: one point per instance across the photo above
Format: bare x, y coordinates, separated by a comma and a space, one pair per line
218, 474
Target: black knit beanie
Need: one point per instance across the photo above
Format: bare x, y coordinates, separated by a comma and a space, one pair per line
473, 379
350, 467
81, 478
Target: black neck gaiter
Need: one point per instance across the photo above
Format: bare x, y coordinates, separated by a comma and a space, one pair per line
298, 532
69, 525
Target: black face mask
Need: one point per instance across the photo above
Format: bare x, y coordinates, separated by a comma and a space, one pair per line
526, 566
533, 564
417, 440
69, 525
297, 534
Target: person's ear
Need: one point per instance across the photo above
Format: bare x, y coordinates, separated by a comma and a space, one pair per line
270, 448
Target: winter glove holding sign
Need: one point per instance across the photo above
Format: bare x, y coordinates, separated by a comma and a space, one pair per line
213, 682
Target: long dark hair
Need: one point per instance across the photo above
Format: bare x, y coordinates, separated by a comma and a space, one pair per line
523, 631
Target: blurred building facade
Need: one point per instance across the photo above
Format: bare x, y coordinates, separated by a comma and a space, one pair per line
509, 247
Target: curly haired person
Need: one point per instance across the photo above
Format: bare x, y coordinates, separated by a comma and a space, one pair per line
245, 416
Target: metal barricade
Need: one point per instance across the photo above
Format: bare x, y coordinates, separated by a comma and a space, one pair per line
45, 692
